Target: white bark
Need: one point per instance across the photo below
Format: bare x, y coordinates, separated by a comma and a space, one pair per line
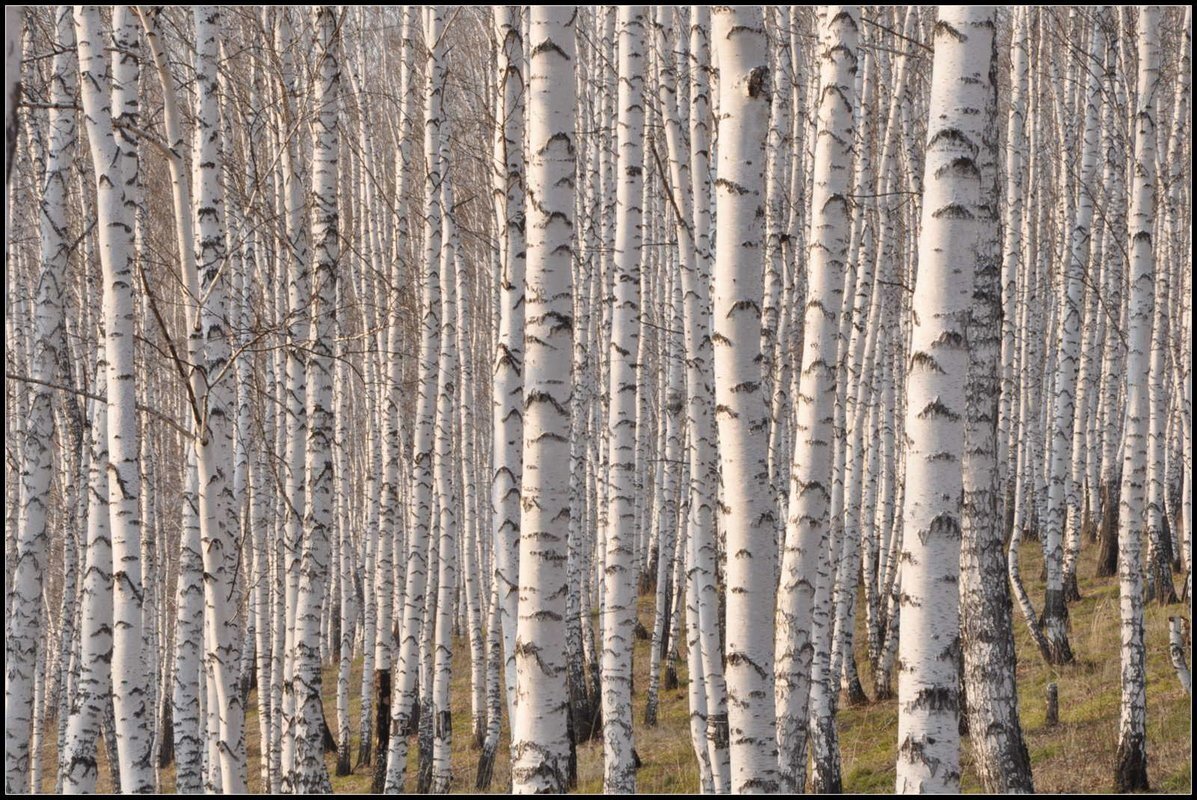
1131, 758
620, 573
309, 774
689, 193
987, 622
1063, 498
509, 347
421, 498
298, 319
747, 517
1015, 178
114, 158
219, 519
79, 766
703, 455
447, 521
806, 566
49, 350
540, 747
953, 222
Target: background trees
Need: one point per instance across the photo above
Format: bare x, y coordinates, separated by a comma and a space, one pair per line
485, 350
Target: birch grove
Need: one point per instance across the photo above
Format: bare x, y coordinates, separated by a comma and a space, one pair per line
607, 399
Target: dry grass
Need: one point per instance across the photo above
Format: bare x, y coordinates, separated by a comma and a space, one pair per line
1078, 754
1075, 756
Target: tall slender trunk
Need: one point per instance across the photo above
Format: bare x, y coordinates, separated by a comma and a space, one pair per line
391, 514
343, 529
987, 623
509, 346
448, 526
802, 607
299, 290
955, 221
1130, 769
746, 507
49, 349
420, 504
540, 746
700, 377
620, 572
1063, 497
308, 773
114, 158
79, 767
219, 518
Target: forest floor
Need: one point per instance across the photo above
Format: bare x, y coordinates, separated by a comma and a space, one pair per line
1075, 756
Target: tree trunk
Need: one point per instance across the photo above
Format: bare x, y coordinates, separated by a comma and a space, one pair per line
987, 622
955, 217
21, 641
1130, 769
620, 573
114, 158
540, 746
746, 507
509, 346
804, 602
79, 767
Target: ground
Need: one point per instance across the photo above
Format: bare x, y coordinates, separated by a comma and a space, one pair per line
1075, 756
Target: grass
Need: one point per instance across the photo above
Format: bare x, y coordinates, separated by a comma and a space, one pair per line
1075, 756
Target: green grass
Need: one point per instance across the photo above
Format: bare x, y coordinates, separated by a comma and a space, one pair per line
1075, 756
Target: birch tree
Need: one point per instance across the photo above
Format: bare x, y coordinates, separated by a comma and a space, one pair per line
747, 519
620, 571
508, 363
21, 643
1130, 770
309, 772
214, 435
539, 744
448, 527
421, 496
79, 765
115, 163
953, 227
249, 409
701, 521
986, 623
806, 564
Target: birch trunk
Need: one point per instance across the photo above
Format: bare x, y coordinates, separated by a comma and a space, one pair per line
703, 454
954, 224
1063, 498
114, 158
744, 92
987, 630
806, 564
420, 502
298, 317
1130, 769
508, 361
79, 766
621, 571
309, 774
540, 746
21, 641
219, 522
447, 521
